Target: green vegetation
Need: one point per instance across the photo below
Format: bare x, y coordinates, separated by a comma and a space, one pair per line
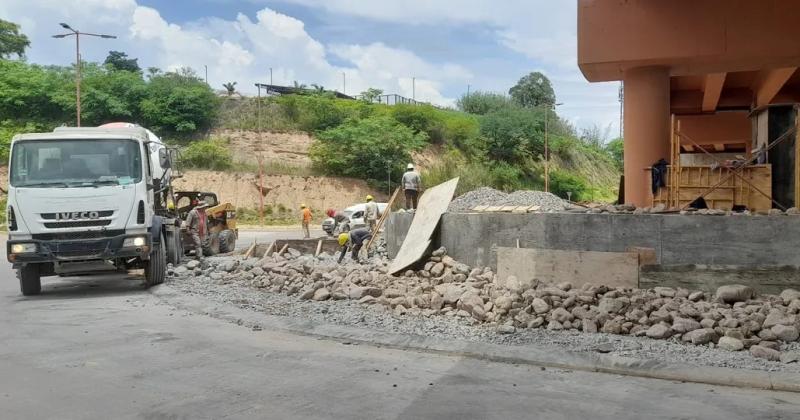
38, 98
366, 148
207, 154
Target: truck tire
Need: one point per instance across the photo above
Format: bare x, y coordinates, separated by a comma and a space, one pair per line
155, 269
227, 241
174, 248
30, 280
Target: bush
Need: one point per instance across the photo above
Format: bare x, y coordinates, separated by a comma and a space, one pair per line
207, 154
365, 149
562, 182
482, 103
512, 135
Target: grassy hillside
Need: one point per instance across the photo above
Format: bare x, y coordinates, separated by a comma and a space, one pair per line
502, 147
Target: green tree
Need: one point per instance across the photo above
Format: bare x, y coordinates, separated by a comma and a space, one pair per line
533, 90
615, 149
31, 93
119, 60
371, 95
512, 135
365, 148
178, 103
110, 95
482, 103
230, 87
12, 41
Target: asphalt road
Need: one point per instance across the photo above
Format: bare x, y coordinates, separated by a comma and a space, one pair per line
99, 348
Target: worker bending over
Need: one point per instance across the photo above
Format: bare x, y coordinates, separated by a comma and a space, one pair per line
197, 226
371, 213
411, 184
338, 218
307, 216
355, 240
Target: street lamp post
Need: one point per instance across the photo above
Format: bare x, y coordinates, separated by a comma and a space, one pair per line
77, 35
550, 106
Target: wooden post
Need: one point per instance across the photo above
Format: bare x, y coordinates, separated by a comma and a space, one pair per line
383, 218
260, 189
269, 249
319, 248
249, 252
283, 249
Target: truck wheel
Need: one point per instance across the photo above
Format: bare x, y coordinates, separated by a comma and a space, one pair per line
155, 269
227, 241
174, 248
30, 280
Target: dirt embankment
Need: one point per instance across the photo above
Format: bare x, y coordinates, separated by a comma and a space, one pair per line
287, 148
288, 191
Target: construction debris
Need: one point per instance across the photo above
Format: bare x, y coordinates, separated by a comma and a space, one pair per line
486, 196
733, 319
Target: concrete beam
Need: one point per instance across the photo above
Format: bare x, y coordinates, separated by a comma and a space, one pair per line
769, 83
688, 147
712, 91
719, 147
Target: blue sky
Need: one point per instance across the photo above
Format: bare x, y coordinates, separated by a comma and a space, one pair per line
444, 44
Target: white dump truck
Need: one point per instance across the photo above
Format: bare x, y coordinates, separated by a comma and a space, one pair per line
90, 200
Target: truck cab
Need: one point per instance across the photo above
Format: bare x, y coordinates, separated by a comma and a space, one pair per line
86, 200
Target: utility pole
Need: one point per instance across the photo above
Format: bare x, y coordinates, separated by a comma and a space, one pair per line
467, 91
344, 83
270, 75
77, 35
621, 107
206, 67
550, 106
260, 160
414, 89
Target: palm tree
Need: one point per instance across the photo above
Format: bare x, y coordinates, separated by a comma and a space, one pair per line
231, 87
299, 86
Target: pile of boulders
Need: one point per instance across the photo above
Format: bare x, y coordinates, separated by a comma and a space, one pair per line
734, 318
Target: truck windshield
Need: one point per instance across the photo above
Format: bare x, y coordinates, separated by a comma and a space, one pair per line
75, 163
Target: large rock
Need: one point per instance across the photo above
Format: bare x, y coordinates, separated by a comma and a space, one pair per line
776, 317
612, 326
561, 315
659, 331
789, 295
437, 302
321, 294
612, 305
437, 270
786, 333
684, 325
733, 293
730, 344
765, 353
540, 306
790, 357
700, 336
589, 325
192, 264
503, 303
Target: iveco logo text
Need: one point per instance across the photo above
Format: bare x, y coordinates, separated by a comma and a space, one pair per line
77, 215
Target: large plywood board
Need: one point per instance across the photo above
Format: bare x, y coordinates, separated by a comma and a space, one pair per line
432, 205
613, 269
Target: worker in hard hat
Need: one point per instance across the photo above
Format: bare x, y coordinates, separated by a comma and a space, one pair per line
355, 240
305, 212
371, 213
411, 183
197, 226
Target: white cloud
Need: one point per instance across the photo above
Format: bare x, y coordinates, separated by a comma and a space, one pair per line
239, 50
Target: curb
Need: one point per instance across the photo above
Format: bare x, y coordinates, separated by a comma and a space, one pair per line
523, 354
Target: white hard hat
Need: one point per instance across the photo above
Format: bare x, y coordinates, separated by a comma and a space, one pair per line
410, 166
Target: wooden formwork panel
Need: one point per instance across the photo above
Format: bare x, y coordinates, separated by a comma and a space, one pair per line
694, 181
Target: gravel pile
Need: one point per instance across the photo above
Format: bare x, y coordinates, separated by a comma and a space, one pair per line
447, 299
486, 196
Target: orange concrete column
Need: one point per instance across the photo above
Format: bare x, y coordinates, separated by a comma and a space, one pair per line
647, 129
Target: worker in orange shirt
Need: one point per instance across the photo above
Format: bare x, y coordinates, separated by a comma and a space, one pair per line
307, 216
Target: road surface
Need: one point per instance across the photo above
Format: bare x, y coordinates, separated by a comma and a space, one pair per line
96, 348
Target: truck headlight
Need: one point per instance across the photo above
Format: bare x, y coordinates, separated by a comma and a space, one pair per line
134, 241
23, 248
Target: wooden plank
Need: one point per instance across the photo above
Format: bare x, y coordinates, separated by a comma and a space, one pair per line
269, 250
493, 209
250, 250
480, 208
432, 205
319, 248
612, 269
383, 218
283, 249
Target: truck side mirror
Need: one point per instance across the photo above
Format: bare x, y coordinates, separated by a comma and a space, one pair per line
163, 159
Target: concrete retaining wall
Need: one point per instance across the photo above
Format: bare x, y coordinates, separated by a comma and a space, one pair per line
741, 241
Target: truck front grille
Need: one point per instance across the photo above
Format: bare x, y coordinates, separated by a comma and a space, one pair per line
53, 216
77, 223
67, 236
